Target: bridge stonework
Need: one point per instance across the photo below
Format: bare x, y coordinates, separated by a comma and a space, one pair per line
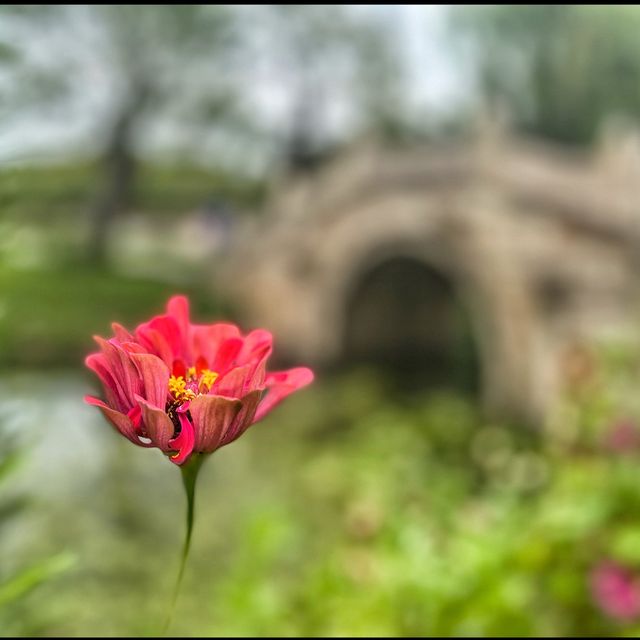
542, 246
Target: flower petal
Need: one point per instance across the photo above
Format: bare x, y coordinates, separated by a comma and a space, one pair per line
206, 339
169, 328
212, 417
122, 334
226, 354
112, 388
279, 385
120, 421
237, 382
157, 425
183, 443
122, 369
245, 417
155, 377
133, 347
178, 309
159, 340
257, 345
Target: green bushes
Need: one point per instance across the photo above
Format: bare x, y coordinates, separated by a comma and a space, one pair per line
352, 511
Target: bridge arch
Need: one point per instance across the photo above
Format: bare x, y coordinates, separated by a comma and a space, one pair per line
405, 314
483, 223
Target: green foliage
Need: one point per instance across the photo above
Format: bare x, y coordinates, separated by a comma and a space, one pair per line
19, 578
44, 193
353, 510
426, 521
559, 68
47, 317
20, 584
60, 194
178, 188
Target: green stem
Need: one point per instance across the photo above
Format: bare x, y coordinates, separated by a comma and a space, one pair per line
190, 472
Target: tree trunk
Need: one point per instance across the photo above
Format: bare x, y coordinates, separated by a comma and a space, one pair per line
119, 167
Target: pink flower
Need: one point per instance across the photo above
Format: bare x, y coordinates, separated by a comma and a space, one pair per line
188, 388
616, 591
622, 437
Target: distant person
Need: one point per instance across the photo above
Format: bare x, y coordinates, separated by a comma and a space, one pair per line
217, 218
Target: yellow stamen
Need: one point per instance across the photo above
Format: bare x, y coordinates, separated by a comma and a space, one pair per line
208, 378
178, 389
178, 385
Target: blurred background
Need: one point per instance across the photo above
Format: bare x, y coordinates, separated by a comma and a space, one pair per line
437, 208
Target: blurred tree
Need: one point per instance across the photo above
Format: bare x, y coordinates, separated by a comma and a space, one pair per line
331, 63
139, 64
559, 69
133, 76
155, 50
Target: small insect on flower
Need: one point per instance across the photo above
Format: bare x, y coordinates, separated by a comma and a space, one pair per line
188, 388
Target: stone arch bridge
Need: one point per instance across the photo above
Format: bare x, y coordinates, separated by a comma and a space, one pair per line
539, 246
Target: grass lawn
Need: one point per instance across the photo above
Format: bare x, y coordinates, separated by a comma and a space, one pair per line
47, 317
66, 190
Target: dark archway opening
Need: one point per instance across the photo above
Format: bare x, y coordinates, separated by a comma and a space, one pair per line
404, 317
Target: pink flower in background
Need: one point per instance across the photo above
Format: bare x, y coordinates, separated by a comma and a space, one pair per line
616, 591
623, 436
188, 388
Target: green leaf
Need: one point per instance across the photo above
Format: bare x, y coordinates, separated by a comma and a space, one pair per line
28, 579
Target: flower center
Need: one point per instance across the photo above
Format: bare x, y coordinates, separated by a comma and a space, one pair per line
187, 387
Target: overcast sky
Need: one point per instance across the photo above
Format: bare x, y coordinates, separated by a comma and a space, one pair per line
434, 84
